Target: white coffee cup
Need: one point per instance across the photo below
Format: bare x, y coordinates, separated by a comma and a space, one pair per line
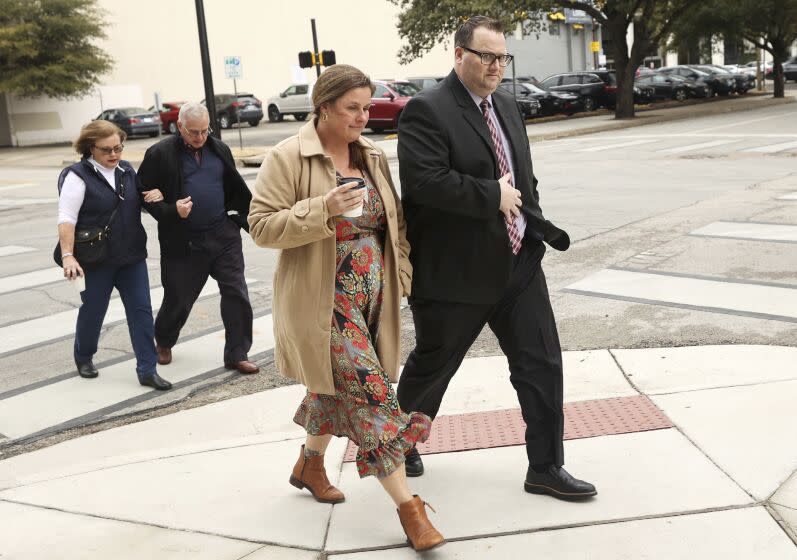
357, 211
79, 283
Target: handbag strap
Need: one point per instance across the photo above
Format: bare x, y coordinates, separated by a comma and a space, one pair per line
118, 202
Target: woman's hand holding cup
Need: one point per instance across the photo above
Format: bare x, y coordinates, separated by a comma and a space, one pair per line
345, 198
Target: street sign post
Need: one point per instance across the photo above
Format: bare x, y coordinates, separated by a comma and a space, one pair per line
233, 69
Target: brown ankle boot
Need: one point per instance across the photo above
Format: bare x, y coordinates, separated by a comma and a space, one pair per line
309, 472
420, 532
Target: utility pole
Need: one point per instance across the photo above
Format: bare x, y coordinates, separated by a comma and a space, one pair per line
210, 98
315, 50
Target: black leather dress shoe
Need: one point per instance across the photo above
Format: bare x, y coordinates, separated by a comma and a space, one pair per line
557, 482
156, 382
412, 463
87, 369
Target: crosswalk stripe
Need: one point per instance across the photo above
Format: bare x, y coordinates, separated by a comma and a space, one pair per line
31, 279
733, 297
790, 196
753, 231
620, 145
74, 397
29, 333
700, 146
17, 186
8, 250
773, 148
26, 201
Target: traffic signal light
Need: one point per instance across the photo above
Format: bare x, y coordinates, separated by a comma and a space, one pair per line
306, 59
327, 58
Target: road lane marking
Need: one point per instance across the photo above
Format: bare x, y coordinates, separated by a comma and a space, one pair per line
17, 186
75, 397
26, 201
700, 146
26, 334
750, 121
31, 279
620, 145
9, 250
767, 301
773, 148
785, 233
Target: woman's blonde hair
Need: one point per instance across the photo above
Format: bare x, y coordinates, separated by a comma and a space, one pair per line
96, 130
333, 84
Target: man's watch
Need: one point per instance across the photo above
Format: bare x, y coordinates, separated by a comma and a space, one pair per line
65, 255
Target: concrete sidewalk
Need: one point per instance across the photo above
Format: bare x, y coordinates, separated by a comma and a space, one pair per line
692, 450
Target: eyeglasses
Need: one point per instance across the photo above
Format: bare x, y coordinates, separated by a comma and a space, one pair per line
488, 58
198, 133
108, 151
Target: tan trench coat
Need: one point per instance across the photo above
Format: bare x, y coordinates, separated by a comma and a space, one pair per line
288, 212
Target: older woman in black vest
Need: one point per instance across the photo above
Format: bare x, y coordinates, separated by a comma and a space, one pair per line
101, 190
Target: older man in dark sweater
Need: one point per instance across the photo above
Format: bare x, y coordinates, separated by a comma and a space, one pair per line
205, 204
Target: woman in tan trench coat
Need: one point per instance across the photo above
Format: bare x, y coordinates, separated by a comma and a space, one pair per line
326, 199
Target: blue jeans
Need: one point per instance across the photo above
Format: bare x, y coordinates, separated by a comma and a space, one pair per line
132, 282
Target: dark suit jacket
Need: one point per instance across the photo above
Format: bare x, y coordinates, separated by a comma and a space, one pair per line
459, 245
162, 169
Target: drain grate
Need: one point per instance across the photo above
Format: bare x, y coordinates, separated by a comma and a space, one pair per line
502, 428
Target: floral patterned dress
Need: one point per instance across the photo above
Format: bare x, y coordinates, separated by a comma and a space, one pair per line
364, 407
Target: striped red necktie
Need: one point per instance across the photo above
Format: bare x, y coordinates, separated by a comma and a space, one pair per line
503, 164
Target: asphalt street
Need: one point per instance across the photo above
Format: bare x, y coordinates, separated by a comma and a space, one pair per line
683, 234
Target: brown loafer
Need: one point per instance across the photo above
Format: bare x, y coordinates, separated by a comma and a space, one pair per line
309, 472
164, 355
244, 366
420, 532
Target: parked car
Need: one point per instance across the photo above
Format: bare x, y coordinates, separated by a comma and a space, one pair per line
694, 88
244, 108
133, 120
426, 81
596, 89
294, 101
527, 79
663, 87
714, 83
789, 70
529, 106
741, 83
642, 93
550, 102
388, 100
168, 113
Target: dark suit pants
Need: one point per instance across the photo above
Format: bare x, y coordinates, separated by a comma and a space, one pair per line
132, 282
218, 254
524, 324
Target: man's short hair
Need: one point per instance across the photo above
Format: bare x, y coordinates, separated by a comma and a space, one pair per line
191, 111
465, 32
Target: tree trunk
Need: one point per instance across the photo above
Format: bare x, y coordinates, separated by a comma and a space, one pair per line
625, 86
778, 56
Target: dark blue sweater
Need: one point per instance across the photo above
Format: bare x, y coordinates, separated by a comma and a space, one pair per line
204, 183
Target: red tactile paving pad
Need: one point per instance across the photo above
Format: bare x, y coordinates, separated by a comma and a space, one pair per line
501, 428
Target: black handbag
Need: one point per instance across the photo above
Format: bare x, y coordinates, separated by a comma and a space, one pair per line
91, 244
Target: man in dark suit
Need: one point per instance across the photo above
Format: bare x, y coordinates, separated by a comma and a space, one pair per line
476, 233
205, 205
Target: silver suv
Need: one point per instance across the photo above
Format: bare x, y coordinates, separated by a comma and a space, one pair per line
294, 101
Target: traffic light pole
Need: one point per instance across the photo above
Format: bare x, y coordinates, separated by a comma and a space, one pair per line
210, 98
315, 49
